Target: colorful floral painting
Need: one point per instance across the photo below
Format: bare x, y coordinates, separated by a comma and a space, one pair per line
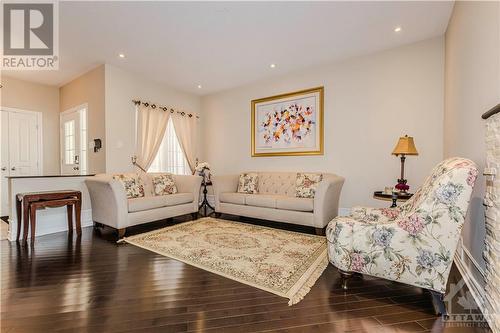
289, 124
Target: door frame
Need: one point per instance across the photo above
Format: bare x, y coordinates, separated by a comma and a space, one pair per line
39, 119
76, 108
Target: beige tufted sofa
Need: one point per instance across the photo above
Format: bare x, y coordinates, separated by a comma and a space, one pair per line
276, 200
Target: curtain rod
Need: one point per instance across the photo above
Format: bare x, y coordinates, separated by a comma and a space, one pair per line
491, 112
164, 108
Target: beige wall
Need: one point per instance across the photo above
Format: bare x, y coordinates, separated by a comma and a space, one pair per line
89, 88
369, 102
121, 88
472, 87
31, 96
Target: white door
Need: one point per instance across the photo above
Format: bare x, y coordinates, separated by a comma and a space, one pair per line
74, 141
23, 144
20, 148
4, 163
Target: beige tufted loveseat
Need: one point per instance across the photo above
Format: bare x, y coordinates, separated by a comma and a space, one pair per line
276, 200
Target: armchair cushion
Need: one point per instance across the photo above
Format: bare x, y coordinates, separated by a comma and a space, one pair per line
415, 243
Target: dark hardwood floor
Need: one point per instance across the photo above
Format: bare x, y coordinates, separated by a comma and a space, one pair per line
91, 284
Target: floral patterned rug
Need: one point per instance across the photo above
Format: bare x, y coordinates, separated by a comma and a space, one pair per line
282, 262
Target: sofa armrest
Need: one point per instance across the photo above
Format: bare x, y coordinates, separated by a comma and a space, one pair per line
189, 184
326, 200
221, 184
109, 201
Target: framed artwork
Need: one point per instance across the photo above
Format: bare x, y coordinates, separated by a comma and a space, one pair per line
288, 124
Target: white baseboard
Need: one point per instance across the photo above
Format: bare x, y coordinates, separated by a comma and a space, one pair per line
466, 263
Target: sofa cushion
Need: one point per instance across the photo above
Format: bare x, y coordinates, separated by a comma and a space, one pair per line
261, 200
297, 204
163, 184
132, 184
277, 183
234, 198
147, 203
248, 183
307, 183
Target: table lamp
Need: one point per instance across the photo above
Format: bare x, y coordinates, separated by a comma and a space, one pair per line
405, 146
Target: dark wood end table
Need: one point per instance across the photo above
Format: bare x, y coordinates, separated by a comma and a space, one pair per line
394, 196
28, 203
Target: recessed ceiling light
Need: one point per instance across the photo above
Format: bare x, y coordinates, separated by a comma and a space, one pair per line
121, 55
272, 65
199, 86
397, 29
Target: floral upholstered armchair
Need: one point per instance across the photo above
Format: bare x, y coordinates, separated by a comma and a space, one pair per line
413, 243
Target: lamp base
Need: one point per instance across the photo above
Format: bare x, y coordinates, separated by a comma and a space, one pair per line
402, 186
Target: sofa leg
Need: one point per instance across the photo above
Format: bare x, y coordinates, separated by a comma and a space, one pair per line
320, 231
217, 214
438, 303
121, 232
194, 215
345, 276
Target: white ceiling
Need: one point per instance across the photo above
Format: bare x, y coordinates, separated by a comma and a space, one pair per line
226, 44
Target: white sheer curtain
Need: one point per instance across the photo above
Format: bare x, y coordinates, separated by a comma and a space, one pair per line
151, 125
170, 157
186, 131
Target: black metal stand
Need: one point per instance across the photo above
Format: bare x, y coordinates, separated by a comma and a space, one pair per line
204, 204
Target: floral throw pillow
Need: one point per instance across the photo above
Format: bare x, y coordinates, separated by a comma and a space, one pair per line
164, 184
132, 184
248, 183
306, 184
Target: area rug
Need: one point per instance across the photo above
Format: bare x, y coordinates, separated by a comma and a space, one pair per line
282, 262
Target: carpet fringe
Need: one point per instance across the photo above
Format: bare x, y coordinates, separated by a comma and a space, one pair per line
306, 287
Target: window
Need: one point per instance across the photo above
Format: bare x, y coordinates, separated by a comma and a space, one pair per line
83, 141
170, 157
69, 142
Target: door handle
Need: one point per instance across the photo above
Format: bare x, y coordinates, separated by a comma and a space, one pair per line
13, 168
76, 168
4, 168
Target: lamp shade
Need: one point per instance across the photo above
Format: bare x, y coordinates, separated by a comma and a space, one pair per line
405, 146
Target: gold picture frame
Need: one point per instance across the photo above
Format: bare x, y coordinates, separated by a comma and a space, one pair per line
299, 135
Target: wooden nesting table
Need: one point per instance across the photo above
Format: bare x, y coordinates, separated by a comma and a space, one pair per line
28, 203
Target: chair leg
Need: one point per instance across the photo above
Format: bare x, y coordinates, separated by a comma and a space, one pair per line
194, 215
345, 276
438, 303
